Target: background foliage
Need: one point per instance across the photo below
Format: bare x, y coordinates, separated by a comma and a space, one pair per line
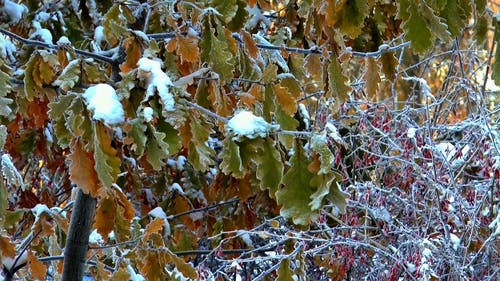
376, 158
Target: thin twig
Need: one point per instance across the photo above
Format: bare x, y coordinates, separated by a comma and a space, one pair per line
45, 45
208, 112
204, 209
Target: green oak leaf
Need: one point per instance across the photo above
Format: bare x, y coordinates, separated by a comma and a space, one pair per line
294, 196
231, 159
269, 167
107, 163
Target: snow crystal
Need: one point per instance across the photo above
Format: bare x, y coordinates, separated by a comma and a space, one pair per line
148, 113
14, 11
159, 81
95, 237
102, 99
42, 33
39, 209
245, 124
7, 49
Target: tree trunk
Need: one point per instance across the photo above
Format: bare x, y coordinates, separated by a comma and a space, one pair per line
78, 237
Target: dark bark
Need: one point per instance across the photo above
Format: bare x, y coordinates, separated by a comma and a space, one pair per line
77, 241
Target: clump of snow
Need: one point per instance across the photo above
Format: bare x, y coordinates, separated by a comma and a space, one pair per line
41, 33
275, 54
134, 276
411, 132
455, 241
333, 133
42, 16
98, 38
157, 80
7, 49
177, 187
159, 213
245, 124
10, 172
257, 17
95, 237
305, 115
103, 101
447, 149
39, 209
63, 40
148, 112
14, 11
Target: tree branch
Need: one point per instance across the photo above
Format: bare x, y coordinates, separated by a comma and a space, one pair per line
37, 43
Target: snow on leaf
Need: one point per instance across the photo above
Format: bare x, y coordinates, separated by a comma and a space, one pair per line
10, 172
319, 145
245, 124
81, 169
69, 76
105, 103
15, 12
274, 55
157, 81
294, 196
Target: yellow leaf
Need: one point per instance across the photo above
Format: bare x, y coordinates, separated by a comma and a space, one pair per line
187, 48
81, 169
372, 77
105, 216
250, 44
283, 96
155, 226
36, 267
7, 249
134, 52
129, 211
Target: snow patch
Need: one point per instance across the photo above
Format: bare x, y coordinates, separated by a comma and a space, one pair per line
157, 80
455, 241
246, 124
63, 40
95, 237
7, 49
148, 112
41, 33
159, 213
14, 11
10, 172
39, 209
103, 101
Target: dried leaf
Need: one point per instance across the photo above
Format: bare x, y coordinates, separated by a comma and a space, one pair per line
81, 169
